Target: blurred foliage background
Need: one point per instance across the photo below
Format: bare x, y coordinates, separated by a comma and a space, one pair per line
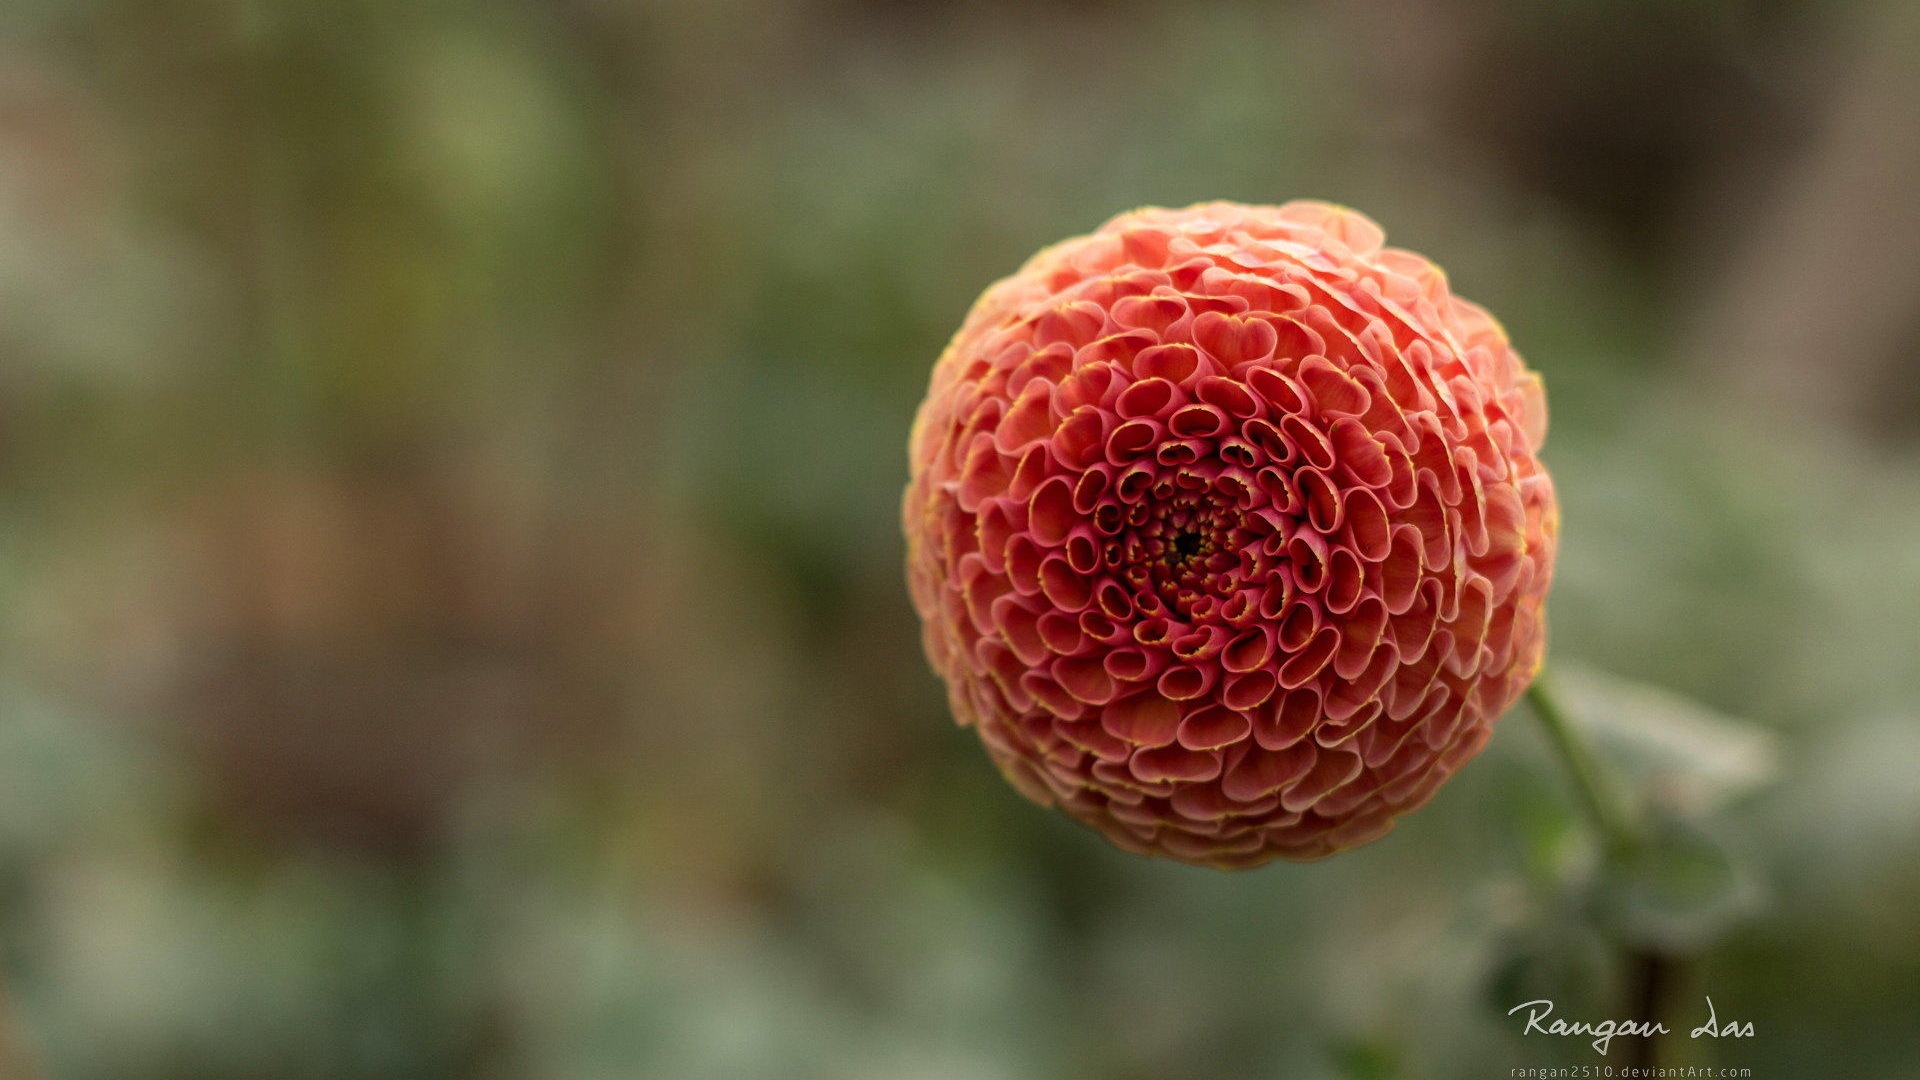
451, 616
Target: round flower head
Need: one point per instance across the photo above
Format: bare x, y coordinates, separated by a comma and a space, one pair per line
1227, 531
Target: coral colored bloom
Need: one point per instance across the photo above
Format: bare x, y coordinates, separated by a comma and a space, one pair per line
1227, 530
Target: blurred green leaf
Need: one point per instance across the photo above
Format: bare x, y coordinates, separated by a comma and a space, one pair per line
1368, 1059
1673, 886
1679, 892
1678, 755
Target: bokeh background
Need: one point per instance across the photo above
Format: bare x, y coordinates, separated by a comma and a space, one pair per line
451, 616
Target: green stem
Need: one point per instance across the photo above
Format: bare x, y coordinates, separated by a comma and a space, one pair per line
1648, 972
1600, 799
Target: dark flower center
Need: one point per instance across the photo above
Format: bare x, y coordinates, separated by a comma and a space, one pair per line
1183, 544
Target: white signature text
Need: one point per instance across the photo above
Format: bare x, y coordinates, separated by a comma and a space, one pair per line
1604, 1031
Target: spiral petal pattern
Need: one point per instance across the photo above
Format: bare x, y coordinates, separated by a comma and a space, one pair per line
1227, 531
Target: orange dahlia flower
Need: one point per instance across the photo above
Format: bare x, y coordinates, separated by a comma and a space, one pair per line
1227, 531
